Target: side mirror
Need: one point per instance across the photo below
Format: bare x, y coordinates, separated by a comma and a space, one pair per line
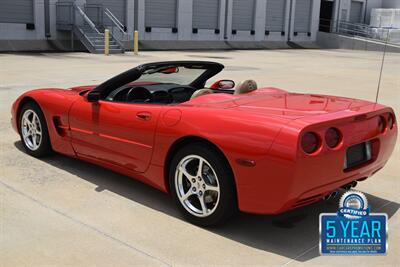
93, 96
223, 84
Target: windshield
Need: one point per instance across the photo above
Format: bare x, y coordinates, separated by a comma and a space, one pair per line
171, 74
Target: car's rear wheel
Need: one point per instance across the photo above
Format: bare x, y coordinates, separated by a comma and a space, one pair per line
33, 130
202, 185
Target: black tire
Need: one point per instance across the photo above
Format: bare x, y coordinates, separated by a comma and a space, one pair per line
44, 147
227, 204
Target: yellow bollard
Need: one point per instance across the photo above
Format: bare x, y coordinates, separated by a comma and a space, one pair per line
106, 42
136, 42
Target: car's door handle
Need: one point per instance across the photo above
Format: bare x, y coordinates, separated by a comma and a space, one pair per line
145, 116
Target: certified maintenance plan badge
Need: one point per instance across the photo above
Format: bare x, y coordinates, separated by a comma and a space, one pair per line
353, 230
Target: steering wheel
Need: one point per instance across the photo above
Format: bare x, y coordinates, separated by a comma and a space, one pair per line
139, 95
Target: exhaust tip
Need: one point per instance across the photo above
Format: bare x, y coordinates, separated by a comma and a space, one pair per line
347, 186
330, 195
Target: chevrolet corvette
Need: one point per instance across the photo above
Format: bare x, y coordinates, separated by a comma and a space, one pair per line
216, 150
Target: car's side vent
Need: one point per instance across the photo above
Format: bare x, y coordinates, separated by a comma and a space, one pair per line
61, 129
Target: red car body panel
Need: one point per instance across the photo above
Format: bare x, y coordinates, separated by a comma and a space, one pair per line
263, 127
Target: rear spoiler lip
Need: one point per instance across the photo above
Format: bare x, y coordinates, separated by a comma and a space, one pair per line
355, 114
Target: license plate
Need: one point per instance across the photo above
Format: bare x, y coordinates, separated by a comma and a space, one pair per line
357, 155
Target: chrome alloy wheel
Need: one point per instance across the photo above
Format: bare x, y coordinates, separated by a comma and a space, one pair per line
197, 186
31, 129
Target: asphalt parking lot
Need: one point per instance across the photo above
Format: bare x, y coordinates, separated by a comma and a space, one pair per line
59, 211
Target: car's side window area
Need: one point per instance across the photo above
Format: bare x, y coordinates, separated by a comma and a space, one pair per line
156, 94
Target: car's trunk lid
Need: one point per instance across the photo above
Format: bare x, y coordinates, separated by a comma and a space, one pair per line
296, 105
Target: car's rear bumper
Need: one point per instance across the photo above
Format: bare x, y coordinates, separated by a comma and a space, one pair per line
317, 193
280, 196
285, 179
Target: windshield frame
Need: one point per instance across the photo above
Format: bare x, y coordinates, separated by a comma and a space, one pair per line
129, 76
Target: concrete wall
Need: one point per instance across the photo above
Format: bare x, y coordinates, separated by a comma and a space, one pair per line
17, 31
370, 5
335, 41
185, 25
391, 3
380, 4
10, 34
342, 8
15, 36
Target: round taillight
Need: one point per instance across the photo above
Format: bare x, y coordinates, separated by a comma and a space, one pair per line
381, 124
390, 121
333, 137
310, 142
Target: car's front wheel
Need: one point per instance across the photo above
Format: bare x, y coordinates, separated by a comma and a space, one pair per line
33, 130
202, 185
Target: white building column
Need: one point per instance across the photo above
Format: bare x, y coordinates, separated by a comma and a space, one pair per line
221, 21
130, 16
316, 8
38, 18
184, 19
288, 25
259, 19
292, 7
229, 12
140, 19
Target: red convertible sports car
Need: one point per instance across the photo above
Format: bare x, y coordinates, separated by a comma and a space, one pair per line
216, 149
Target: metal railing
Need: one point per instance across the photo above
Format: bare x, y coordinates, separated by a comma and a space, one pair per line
114, 19
365, 31
90, 20
103, 18
86, 20
117, 29
68, 15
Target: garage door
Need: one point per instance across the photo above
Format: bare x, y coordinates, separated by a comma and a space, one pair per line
16, 11
275, 16
243, 15
302, 16
117, 7
160, 13
356, 11
206, 14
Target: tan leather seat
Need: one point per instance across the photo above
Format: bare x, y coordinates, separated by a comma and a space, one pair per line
246, 86
201, 92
